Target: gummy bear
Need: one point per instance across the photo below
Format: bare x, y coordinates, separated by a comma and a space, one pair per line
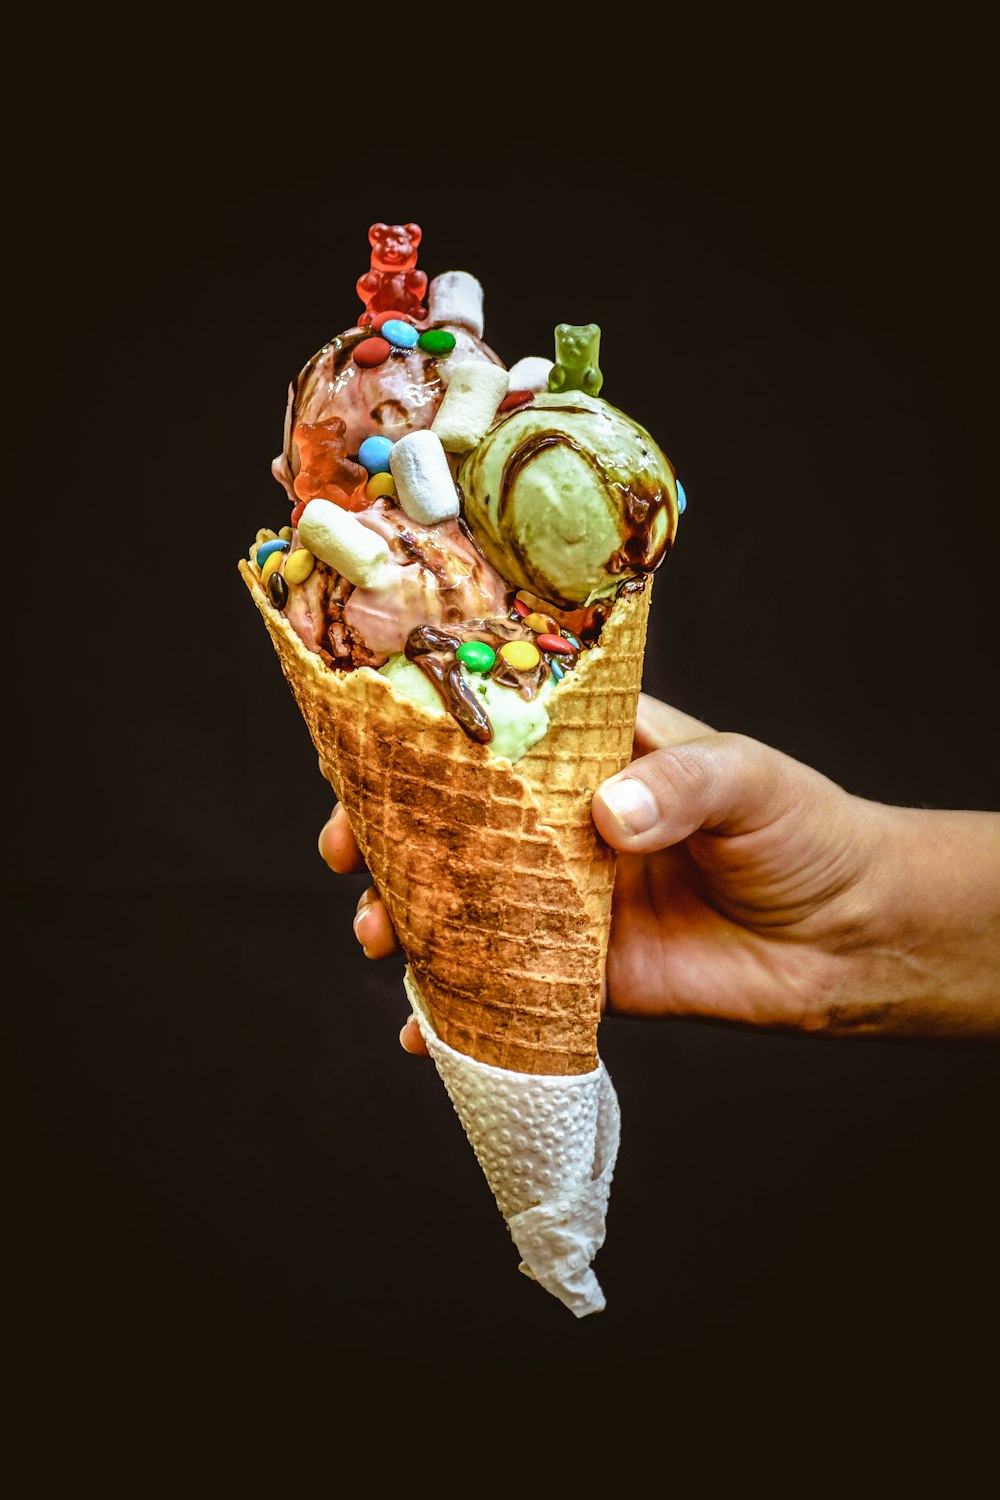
325, 471
393, 284
577, 351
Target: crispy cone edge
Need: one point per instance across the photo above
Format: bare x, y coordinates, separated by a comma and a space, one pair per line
494, 877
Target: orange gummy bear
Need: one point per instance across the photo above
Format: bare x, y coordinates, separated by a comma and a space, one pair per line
325, 471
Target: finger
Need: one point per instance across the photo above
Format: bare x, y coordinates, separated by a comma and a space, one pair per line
372, 927
411, 1041
723, 782
659, 724
338, 846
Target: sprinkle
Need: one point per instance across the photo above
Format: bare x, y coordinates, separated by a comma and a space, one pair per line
521, 655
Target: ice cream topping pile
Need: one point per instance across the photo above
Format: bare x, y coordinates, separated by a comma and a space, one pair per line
461, 528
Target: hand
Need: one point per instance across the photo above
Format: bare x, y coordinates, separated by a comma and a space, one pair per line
751, 889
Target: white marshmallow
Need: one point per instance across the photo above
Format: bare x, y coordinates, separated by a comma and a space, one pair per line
456, 297
337, 537
424, 486
530, 374
470, 404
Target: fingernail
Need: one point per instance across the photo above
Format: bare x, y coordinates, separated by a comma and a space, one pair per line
360, 916
630, 803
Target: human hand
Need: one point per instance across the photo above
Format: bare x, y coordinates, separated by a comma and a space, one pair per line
751, 889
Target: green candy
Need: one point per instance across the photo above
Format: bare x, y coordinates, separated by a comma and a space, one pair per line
437, 341
578, 349
476, 655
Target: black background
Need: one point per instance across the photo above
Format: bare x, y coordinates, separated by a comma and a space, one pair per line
228, 1181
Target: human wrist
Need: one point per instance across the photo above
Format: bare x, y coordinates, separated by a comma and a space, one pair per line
926, 959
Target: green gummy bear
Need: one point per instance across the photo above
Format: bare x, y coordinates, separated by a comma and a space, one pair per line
578, 348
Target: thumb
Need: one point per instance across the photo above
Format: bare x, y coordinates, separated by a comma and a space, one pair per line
724, 782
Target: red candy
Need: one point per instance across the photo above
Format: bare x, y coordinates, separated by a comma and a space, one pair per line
393, 285
372, 352
297, 512
555, 643
521, 608
383, 317
514, 398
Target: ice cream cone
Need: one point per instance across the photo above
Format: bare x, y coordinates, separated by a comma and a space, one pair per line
493, 874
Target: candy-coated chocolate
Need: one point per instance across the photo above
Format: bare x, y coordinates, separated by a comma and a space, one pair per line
272, 564
514, 398
521, 608
299, 565
373, 454
558, 672
372, 352
380, 484
555, 643
400, 335
297, 512
521, 655
391, 315
540, 622
277, 590
267, 549
476, 655
682, 499
436, 341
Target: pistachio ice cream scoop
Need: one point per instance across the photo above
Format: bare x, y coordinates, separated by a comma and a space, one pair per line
568, 497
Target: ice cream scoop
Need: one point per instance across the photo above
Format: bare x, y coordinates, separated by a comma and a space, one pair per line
568, 497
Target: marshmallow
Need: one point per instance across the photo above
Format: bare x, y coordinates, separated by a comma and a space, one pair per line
456, 297
424, 486
337, 537
530, 374
470, 404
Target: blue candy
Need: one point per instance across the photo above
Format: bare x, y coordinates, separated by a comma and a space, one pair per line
266, 548
558, 672
401, 335
682, 499
373, 454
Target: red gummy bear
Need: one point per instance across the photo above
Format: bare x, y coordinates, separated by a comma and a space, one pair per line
325, 471
393, 284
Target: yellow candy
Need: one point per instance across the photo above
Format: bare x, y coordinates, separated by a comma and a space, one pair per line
379, 485
541, 624
521, 655
271, 565
299, 566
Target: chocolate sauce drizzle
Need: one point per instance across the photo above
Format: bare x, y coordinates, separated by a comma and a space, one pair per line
639, 508
432, 648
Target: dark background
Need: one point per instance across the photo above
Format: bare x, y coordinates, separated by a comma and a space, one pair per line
228, 1181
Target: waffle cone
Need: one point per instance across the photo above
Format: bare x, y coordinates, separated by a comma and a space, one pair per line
493, 874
